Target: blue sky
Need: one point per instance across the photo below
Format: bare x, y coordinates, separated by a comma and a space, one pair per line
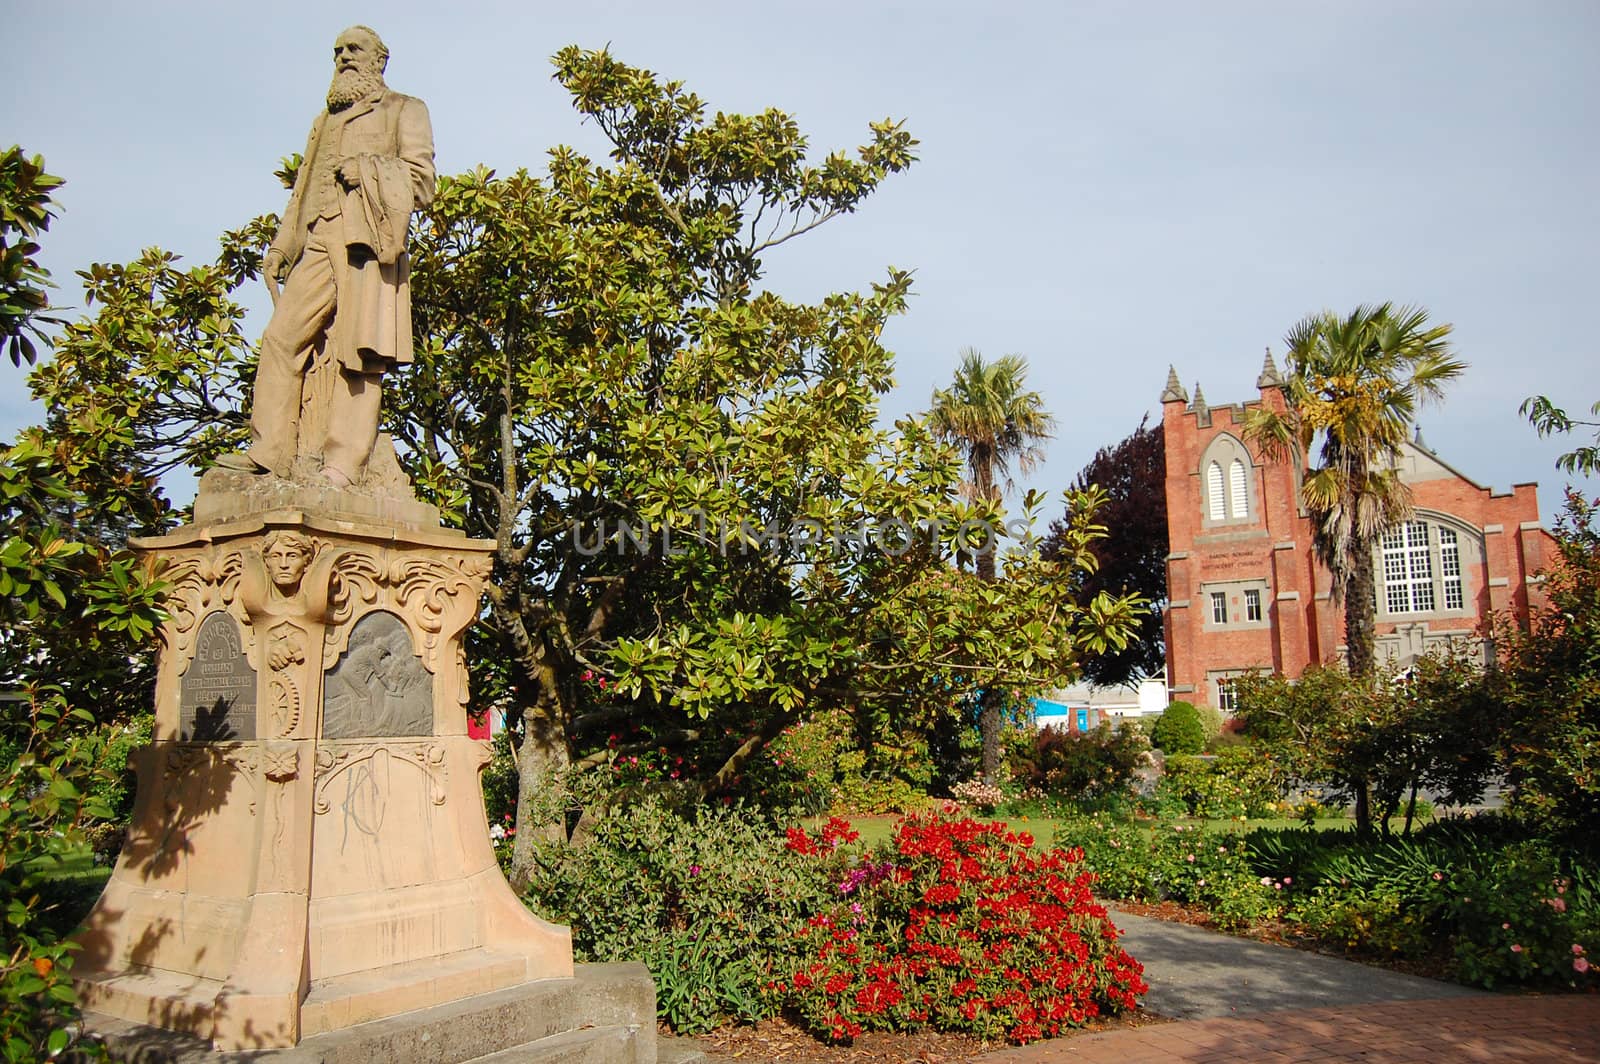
1106, 189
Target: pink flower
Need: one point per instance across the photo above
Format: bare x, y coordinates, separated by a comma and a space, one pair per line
1515, 948
1505, 927
1287, 880
694, 870
1558, 904
1577, 950
1580, 964
1438, 876
1189, 858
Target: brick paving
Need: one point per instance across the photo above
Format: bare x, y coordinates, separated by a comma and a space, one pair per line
1514, 1028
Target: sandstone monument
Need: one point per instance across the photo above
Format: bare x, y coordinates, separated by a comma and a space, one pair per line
309, 850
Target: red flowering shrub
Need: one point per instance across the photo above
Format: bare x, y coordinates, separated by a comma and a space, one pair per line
961, 926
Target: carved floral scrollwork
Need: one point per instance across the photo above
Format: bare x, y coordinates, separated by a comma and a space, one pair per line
199, 583
428, 758
438, 594
439, 591
357, 576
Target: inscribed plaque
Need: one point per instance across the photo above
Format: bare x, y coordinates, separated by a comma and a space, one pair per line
379, 687
217, 695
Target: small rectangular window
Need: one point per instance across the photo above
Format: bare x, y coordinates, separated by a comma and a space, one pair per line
1252, 604
1219, 607
1227, 698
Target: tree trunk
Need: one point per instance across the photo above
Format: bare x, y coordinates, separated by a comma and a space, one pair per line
542, 762
1363, 791
989, 703
1359, 611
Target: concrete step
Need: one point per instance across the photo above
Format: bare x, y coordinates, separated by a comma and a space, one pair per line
591, 1045
605, 1014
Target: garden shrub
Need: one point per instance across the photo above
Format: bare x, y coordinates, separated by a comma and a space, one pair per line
1502, 908
1117, 852
1176, 862
1067, 764
1242, 781
960, 926
1210, 869
1178, 730
1372, 919
709, 899
821, 765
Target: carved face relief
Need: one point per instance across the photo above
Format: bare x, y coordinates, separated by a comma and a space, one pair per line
287, 556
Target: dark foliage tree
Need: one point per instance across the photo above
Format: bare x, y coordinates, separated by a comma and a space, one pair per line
1132, 558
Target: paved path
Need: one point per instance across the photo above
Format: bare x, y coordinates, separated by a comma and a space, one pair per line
1501, 1029
1194, 974
1238, 1000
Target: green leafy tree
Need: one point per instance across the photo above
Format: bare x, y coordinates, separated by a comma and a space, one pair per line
1354, 383
27, 205
1388, 734
1547, 686
1552, 420
674, 464
994, 419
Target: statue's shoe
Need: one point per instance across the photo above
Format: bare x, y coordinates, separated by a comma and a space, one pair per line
239, 462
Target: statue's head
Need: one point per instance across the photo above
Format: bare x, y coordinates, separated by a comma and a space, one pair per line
287, 554
359, 60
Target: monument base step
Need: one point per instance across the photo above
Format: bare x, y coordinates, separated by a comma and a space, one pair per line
152, 996
362, 997
605, 1009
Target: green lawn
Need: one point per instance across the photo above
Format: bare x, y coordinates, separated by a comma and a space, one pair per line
875, 829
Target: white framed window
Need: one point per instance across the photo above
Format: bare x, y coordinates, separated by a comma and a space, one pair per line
1238, 495
1252, 604
1421, 567
1450, 568
1219, 607
1408, 569
1226, 488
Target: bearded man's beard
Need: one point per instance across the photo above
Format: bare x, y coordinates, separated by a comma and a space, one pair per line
352, 85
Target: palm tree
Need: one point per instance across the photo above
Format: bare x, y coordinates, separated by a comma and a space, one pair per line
989, 414
1356, 383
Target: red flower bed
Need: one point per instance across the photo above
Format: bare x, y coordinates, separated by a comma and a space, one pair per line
957, 925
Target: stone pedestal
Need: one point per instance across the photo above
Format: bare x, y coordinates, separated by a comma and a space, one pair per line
309, 849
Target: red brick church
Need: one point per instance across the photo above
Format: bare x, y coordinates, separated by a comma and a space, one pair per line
1246, 591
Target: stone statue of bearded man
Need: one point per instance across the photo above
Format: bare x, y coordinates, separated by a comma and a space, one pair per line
340, 254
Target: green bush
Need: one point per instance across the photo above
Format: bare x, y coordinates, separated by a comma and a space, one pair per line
1178, 730
1117, 852
825, 764
1059, 763
1502, 908
1242, 781
1174, 862
708, 899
